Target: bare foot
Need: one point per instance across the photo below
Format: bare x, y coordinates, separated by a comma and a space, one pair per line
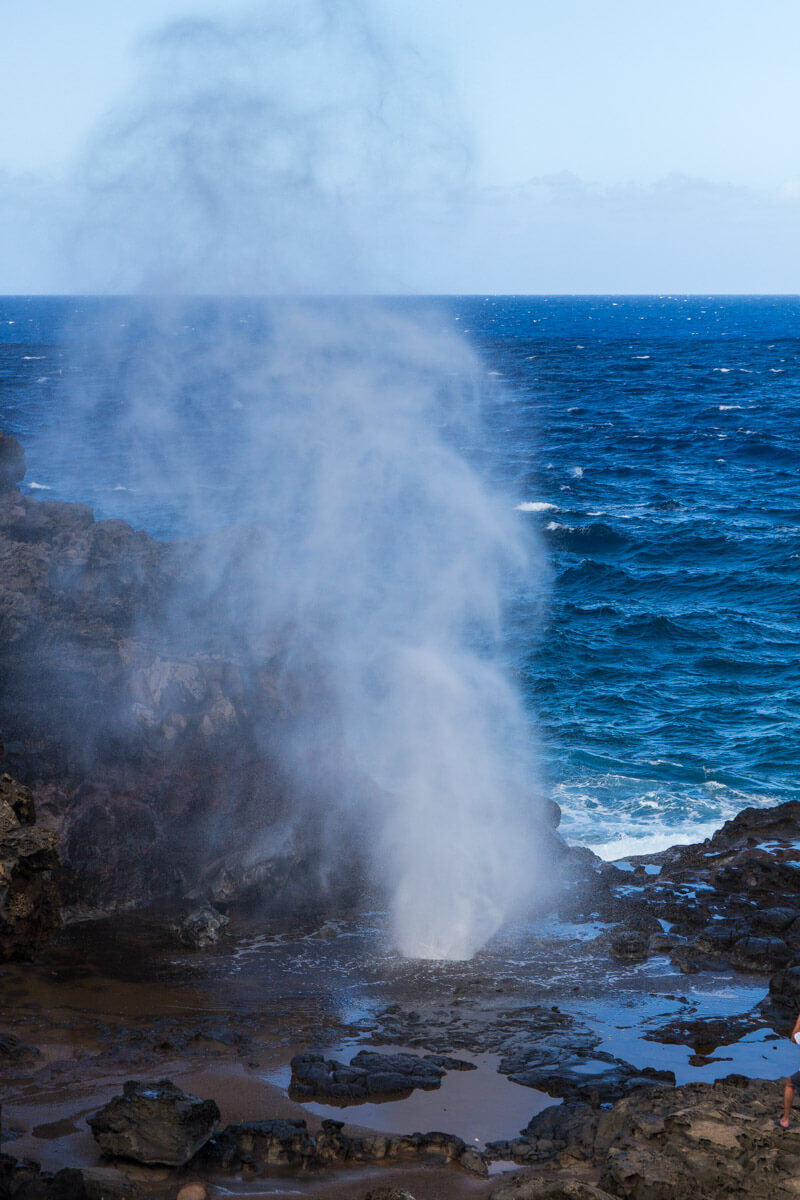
784, 1122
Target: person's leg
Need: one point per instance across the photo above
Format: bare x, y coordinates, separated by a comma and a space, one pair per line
788, 1097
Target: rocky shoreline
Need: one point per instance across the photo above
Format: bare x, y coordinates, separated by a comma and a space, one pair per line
616, 1126
216, 958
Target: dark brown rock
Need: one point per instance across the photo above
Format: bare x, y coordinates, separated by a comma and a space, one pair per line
144, 721
154, 1123
30, 903
369, 1075
711, 1141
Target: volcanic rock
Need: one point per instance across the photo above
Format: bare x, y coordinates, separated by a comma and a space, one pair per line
154, 1123
388, 1193
202, 928
370, 1075
784, 989
160, 736
30, 904
569, 1065
705, 1140
704, 1034
284, 1142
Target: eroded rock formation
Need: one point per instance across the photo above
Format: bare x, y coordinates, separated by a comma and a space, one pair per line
158, 736
30, 904
370, 1075
710, 1140
154, 1123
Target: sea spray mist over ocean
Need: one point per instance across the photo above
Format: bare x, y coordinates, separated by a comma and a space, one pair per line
266, 155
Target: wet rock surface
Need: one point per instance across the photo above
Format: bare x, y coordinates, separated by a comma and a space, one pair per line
370, 1075
203, 927
733, 900
154, 1123
711, 1140
260, 1145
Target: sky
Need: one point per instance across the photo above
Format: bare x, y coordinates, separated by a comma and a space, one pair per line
580, 146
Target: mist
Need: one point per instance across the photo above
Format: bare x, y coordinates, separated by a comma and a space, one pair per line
280, 154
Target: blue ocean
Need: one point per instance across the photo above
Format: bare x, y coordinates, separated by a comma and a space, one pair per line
652, 444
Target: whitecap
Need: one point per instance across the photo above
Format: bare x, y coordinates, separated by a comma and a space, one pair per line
641, 357
626, 845
729, 407
576, 472
536, 506
724, 370
39, 487
43, 379
33, 357
554, 526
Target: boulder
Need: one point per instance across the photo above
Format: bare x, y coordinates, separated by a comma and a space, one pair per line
154, 1123
370, 1075
784, 989
202, 928
759, 954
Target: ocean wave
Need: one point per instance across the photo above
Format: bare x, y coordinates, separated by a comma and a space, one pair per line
583, 539
536, 506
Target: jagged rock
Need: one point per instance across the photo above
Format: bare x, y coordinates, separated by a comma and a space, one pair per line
388, 1193
704, 1034
629, 945
154, 1123
144, 720
202, 928
27, 1180
712, 1141
284, 1142
759, 953
450, 1064
369, 1075
30, 903
569, 1065
784, 989
274, 1142
473, 1162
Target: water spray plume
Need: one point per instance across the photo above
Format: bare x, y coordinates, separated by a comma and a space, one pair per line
265, 155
